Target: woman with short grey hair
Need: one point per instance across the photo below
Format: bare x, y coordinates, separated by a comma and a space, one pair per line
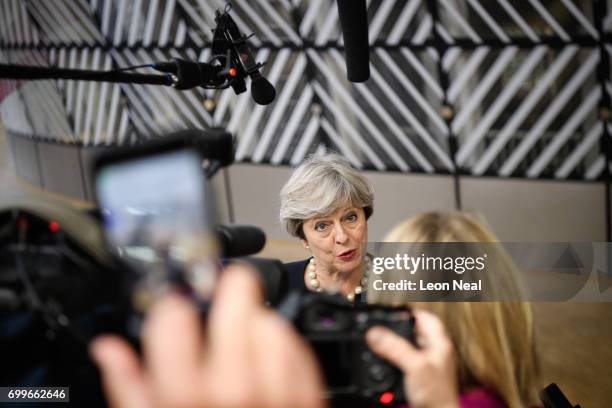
326, 203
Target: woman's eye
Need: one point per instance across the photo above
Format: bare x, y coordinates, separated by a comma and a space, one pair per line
320, 226
351, 217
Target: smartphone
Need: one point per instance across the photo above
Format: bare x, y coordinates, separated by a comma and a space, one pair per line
155, 207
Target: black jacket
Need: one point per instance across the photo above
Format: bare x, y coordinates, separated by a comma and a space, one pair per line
295, 275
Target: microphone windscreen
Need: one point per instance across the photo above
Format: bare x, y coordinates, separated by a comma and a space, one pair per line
262, 90
215, 143
354, 21
239, 240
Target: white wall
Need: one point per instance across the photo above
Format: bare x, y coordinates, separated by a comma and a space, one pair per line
399, 196
517, 210
538, 210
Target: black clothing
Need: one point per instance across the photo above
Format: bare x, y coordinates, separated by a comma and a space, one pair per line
295, 275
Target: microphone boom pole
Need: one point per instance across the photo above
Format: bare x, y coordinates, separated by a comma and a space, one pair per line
36, 73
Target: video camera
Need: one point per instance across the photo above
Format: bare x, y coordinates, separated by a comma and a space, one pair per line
108, 269
336, 331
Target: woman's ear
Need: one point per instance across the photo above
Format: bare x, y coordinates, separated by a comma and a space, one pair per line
305, 243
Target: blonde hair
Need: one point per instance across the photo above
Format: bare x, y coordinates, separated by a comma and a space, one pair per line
495, 341
320, 186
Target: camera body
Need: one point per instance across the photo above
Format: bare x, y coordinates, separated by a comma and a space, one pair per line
336, 329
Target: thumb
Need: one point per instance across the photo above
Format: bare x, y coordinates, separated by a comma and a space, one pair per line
122, 378
392, 347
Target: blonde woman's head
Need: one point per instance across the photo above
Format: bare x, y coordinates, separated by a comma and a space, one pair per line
494, 341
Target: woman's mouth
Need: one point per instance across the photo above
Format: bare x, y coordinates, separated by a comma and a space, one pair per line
348, 255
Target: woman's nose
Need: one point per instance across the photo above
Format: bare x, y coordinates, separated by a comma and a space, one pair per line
341, 235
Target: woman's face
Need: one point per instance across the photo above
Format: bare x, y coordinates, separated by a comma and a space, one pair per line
338, 241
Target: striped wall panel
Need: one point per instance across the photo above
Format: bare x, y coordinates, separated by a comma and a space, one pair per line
485, 88
34, 108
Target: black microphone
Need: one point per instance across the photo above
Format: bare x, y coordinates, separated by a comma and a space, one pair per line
354, 21
262, 90
228, 37
239, 240
215, 144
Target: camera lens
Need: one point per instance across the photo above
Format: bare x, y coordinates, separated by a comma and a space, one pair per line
326, 320
367, 357
379, 377
377, 372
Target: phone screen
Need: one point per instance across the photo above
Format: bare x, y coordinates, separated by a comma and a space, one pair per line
155, 215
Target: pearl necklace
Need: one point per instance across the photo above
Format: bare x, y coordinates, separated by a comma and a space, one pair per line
316, 285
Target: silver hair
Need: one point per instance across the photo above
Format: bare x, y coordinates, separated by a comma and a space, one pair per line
319, 187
